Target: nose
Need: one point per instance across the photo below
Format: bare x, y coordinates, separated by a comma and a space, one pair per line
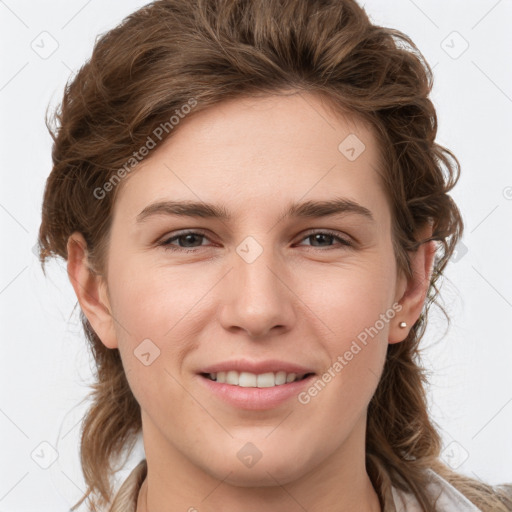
257, 298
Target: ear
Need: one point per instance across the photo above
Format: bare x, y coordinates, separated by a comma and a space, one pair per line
411, 293
91, 290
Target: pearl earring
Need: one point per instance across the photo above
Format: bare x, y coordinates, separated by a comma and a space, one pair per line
402, 325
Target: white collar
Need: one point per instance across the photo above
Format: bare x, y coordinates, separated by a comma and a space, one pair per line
449, 499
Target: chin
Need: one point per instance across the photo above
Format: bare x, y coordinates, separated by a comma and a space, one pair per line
270, 466
262, 475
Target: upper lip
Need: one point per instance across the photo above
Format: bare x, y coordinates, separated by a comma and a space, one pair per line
257, 367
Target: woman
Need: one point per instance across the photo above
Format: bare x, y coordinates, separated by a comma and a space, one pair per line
255, 217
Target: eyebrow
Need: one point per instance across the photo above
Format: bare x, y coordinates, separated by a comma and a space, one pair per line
308, 209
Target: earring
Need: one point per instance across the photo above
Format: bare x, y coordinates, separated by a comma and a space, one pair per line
402, 325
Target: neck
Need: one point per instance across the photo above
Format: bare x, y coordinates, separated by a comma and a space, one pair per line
338, 483
369, 502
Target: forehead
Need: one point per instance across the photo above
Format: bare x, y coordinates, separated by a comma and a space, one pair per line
257, 154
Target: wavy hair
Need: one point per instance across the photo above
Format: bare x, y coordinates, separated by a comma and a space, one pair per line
170, 51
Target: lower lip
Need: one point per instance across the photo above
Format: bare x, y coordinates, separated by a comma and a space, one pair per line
256, 398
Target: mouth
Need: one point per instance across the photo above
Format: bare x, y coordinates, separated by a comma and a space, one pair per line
255, 385
253, 380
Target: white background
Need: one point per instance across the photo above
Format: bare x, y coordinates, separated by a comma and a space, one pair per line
45, 366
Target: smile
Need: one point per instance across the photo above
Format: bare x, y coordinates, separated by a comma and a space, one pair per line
253, 380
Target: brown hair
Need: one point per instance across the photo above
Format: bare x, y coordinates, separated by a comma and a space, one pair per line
172, 51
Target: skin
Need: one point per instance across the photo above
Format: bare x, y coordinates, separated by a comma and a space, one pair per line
301, 300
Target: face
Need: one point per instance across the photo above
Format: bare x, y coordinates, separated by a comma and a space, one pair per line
257, 295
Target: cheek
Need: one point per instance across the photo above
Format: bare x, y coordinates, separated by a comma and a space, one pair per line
155, 331
351, 300
156, 303
153, 318
356, 353
355, 307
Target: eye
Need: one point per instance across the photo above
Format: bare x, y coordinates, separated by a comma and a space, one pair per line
189, 241
325, 236
188, 238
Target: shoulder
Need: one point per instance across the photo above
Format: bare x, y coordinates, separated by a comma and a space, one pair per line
448, 498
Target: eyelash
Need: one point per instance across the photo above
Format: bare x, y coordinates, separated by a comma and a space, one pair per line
166, 244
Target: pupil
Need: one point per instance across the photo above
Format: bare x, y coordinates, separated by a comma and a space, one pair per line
189, 238
319, 236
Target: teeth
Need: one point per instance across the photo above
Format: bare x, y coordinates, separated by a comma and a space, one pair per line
251, 380
245, 380
232, 378
291, 377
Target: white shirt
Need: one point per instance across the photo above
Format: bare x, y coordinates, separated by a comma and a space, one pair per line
450, 499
